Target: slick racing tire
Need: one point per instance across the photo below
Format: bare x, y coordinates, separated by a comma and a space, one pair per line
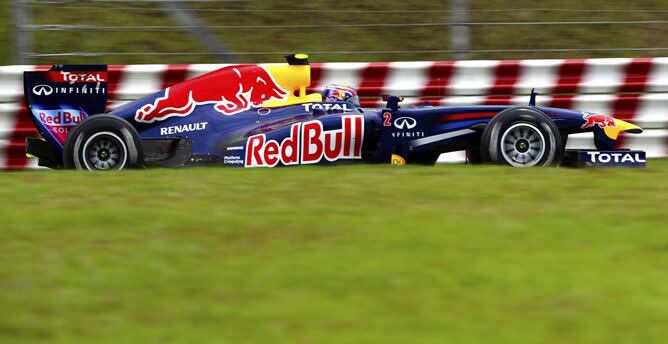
521, 137
103, 142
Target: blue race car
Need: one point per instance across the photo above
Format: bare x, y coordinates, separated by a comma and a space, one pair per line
261, 116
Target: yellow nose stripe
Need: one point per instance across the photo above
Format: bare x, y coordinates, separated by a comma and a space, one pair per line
613, 132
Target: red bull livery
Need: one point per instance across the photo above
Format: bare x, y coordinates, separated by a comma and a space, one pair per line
602, 121
307, 144
261, 116
230, 90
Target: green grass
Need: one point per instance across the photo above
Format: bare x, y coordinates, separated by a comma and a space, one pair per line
451, 254
5, 35
346, 39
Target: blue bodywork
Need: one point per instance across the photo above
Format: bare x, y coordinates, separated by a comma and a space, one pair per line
301, 133
437, 129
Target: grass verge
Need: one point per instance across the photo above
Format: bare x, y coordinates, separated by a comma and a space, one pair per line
324, 35
347, 254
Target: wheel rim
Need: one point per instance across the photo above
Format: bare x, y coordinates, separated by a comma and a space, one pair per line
522, 145
104, 151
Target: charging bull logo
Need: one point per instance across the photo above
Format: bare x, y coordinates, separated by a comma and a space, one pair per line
602, 121
231, 90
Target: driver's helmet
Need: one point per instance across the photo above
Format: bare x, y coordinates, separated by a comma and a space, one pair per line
340, 92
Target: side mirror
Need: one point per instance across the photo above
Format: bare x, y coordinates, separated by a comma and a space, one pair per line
532, 98
393, 102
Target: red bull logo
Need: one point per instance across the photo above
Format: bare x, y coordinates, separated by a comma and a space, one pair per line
230, 89
61, 118
59, 122
602, 121
308, 143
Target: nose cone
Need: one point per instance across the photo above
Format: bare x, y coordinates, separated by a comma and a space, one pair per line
621, 126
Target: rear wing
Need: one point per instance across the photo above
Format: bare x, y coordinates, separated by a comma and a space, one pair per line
63, 96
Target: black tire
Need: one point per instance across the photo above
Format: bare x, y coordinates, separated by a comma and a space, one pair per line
521, 137
103, 142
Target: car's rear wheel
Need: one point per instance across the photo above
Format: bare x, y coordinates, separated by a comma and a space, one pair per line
103, 142
521, 137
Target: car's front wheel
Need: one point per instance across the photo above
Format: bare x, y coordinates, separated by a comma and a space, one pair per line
103, 142
521, 137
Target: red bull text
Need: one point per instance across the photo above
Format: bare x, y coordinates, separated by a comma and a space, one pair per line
59, 122
231, 90
308, 143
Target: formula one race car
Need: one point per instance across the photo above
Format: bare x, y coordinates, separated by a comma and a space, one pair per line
261, 116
